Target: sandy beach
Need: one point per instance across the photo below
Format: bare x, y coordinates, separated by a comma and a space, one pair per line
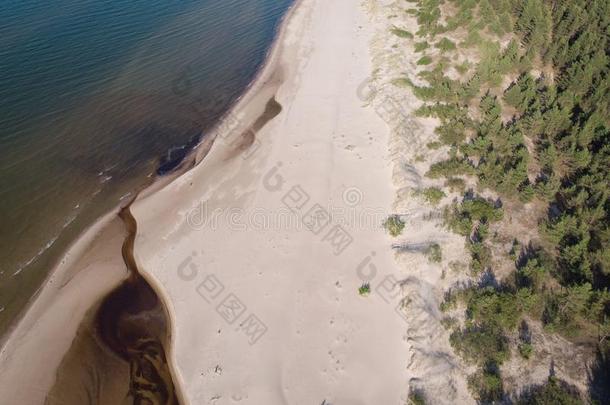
260, 250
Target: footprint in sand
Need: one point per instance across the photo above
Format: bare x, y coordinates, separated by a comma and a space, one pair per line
336, 361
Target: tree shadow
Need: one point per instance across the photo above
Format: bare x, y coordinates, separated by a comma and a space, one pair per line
599, 376
553, 391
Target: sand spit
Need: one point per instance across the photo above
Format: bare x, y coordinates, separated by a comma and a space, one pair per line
35, 348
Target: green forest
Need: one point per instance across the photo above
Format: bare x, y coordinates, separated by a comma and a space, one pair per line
529, 119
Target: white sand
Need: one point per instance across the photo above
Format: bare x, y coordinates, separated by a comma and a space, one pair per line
322, 341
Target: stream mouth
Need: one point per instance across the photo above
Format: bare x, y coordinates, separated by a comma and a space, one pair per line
131, 322
119, 353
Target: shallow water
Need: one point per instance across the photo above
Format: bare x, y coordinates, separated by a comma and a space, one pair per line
95, 96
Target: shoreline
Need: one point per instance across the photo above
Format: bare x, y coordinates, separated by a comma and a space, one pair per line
192, 158
34, 314
198, 155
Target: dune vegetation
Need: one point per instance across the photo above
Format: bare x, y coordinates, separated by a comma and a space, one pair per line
520, 90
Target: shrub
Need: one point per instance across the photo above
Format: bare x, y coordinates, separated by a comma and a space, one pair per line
424, 60
555, 392
434, 145
449, 322
402, 82
401, 33
433, 195
452, 132
482, 210
457, 266
525, 350
448, 168
455, 221
449, 302
450, 113
486, 385
364, 289
490, 306
420, 46
463, 67
416, 398
460, 218
526, 193
481, 344
480, 257
531, 271
455, 184
566, 310
434, 253
445, 45
473, 39
394, 225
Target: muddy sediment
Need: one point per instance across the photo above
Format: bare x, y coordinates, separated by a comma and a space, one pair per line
119, 353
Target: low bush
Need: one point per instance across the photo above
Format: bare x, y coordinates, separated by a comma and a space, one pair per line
416, 397
445, 45
424, 60
460, 218
434, 253
486, 384
487, 305
463, 67
482, 210
554, 391
481, 343
401, 33
480, 257
434, 145
364, 289
525, 350
420, 46
433, 195
394, 225
455, 184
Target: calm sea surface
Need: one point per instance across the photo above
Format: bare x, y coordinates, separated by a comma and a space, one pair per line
95, 97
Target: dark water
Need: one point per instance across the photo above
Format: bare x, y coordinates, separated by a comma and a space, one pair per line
95, 97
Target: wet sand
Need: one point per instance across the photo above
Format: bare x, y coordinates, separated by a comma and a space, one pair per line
90, 270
